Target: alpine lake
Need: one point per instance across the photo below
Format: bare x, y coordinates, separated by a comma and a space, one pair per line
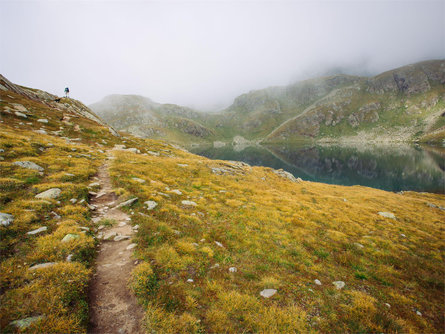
391, 167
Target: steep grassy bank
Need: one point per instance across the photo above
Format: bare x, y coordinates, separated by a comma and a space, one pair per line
47, 241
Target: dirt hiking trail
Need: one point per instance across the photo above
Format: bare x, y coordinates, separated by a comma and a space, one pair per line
113, 307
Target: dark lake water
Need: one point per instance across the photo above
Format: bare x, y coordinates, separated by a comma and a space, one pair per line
388, 167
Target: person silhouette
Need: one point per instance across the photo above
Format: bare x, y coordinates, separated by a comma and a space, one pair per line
67, 91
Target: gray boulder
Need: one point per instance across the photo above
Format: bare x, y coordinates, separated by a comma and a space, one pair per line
22, 324
267, 293
127, 203
69, 237
6, 219
42, 265
29, 165
36, 231
50, 193
151, 205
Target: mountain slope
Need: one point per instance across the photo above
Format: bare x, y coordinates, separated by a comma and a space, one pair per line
220, 247
404, 104
142, 117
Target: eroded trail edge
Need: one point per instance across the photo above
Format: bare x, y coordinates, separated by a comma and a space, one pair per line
113, 307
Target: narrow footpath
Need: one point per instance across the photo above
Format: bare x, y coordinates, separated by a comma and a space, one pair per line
113, 307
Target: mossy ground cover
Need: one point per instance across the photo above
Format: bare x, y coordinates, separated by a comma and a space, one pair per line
280, 235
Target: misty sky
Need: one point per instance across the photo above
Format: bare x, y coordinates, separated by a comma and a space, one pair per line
205, 53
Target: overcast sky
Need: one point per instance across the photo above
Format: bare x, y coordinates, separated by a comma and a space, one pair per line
205, 53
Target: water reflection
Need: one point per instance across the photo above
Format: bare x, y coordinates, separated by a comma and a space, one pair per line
389, 167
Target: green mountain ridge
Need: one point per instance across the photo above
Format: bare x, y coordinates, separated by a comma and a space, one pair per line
404, 104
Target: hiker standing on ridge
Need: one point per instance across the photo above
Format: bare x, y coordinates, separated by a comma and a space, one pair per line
67, 91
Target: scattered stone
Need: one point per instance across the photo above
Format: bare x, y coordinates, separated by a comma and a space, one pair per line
6, 219
176, 191
127, 203
109, 235
418, 313
163, 194
403, 235
22, 324
69, 237
94, 184
56, 216
183, 165
317, 282
190, 280
42, 120
19, 114
151, 205
42, 265
358, 245
287, 175
29, 165
387, 305
36, 231
387, 215
73, 200
84, 228
267, 293
339, 284
131, 246
233, 270
219, 244
121, 237
135, 227
138, 179
153, 153
41, 131
101, 227
216, 265
50, 193
19, 107
122, 224
189, 203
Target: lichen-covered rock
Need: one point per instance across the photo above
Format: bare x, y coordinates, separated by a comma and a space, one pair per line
188, 203
39, 230
42, 265
50, 193
28, 165
267, 293
23, 324
387, 215
151, 205
69, 237
287, 175
127, 203
339, 284
6, 219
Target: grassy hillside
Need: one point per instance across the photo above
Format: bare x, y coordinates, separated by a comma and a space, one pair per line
405, 104
222, 233
281, 235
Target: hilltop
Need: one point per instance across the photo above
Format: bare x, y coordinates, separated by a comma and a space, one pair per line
213, 246
405, 104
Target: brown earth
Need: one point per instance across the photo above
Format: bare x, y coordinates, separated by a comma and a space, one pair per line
113, 307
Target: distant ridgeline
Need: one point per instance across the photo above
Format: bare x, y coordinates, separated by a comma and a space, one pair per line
405, 104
